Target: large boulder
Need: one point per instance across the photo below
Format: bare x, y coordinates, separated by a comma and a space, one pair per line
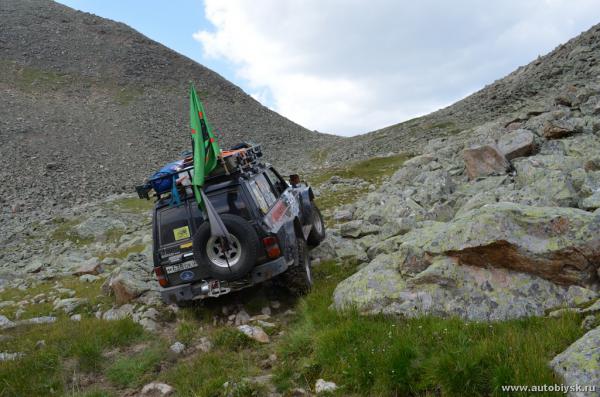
558, 244
446, 288
517, 143
549, 178
484, 160
556, 129
579, 365
129, 281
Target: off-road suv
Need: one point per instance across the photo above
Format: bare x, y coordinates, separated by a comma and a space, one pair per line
271, 225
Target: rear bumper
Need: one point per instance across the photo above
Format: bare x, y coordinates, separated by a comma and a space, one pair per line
205, 288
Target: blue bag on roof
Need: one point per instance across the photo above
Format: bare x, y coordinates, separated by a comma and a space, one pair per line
162, 180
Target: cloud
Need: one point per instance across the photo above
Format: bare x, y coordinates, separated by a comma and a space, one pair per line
352, 66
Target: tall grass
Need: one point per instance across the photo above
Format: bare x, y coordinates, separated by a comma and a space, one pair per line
378, 355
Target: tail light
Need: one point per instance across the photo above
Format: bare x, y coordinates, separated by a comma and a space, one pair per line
272, 247
160, 276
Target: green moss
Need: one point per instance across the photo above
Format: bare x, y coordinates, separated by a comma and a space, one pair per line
371, 170
65, 231
113, 235
132, 204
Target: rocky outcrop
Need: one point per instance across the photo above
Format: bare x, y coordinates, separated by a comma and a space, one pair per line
446, 288
579, 365
559, 244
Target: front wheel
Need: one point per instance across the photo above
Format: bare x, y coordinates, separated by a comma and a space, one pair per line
317, 232
298, 278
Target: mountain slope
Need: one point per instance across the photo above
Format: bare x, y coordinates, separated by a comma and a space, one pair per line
530, 88
90, 105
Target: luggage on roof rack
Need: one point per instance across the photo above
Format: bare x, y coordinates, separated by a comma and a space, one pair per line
240, 158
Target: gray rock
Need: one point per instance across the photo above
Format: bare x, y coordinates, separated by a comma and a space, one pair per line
242, 317
76, 317
5, 356
448, 289
588, 322
118, 313
592, 106
157, 389
205, 345
177, 347
517, 143
323, 386
556, 129
254, 332
69, 305
5, 323
579, 364
342, 215
88, 278
98, 225
38, 320
535, 240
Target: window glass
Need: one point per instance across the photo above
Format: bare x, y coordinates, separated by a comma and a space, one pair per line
266, 190
278, 184
258, 197
173, 224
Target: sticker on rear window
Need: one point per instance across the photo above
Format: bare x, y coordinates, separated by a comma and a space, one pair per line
181, 232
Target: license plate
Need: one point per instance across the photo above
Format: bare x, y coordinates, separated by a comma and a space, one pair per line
180, 266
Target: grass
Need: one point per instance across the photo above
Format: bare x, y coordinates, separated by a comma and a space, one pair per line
136, 370
42, 371
379, 355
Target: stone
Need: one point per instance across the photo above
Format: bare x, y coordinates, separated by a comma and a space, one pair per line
447, 289
127, 286
5, 356
557, 129
118, 313
205, 345
88, 278
34, 267
76, 317
241, 317
558, 244
266, 310
40, 344
548, 179
254, 332
517, 143
588, 322
579, 364
322, 386
69, 305
342, 215
91, 266
357, 228
5, 323
592, 106
177, 347
157, 389
591, 202
484, 161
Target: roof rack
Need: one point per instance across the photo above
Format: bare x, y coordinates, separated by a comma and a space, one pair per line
241, 158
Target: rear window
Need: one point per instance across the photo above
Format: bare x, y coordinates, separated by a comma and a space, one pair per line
174, 225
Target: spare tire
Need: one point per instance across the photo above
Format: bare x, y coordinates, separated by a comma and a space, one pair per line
234, 262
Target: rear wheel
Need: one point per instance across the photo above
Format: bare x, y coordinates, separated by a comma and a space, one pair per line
298, 278
317, 232
231, 260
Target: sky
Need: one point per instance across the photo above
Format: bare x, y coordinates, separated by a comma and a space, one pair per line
353, 66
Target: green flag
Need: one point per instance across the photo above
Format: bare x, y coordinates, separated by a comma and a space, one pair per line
205, 147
